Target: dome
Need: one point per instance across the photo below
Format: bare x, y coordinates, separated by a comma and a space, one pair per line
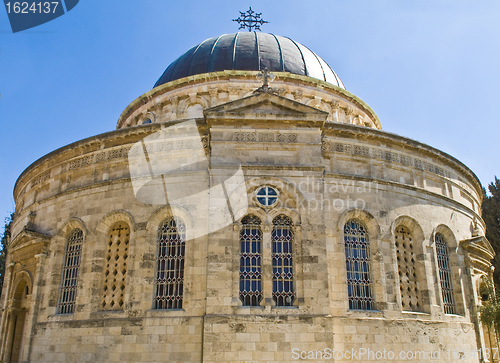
250, 51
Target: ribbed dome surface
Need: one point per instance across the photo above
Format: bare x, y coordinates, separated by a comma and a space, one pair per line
250, 51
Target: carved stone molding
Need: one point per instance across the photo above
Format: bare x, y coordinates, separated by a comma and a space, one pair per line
386, 155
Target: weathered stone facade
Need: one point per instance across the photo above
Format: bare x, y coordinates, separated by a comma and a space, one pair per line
324, 153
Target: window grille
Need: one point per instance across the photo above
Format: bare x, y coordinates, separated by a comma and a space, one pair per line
169, 277
282, 255
250, 261
116, 267
407, 270
69, 279
445, 276
357, 253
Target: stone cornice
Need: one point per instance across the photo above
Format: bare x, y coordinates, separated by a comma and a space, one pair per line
353, 132
226, 76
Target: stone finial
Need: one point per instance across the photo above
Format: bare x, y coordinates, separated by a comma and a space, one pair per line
266, 77
297, 95
476, 231
335, 105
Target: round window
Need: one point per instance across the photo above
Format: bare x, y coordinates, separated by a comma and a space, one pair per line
148, 121
267, 196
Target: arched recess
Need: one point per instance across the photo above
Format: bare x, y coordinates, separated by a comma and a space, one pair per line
371, 280
169, 211
111, 218
407, 238
319, 104
367, 218
157, 239
444, 242
193, 107
18, 307
70, 225
114, 234
22, 286
58, 251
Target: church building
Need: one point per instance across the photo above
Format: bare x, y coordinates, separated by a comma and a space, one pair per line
248, 208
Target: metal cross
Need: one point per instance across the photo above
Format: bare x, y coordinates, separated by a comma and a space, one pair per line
266, 77
250, 20
119, 229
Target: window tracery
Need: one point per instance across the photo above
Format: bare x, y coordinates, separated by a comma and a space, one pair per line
251, 261
282, 257
69, 279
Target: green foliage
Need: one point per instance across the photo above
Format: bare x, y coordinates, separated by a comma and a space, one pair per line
490, 311
3, 253
491, 216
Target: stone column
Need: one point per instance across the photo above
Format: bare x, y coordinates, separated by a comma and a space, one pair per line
10, 335
5, 307
32, 314
267, 269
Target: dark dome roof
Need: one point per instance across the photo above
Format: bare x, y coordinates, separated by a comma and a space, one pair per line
250, 51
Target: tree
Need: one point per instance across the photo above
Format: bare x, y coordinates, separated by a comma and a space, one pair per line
491, 217
3, 253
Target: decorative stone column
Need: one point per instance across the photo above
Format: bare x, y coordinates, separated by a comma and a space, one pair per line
5, 308
32, 314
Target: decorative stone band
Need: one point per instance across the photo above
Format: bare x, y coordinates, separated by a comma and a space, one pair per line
114, 154
40, 178
387, 155
265, 137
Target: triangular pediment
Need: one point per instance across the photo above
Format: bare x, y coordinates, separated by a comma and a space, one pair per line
478, 245
265, 103
29, 238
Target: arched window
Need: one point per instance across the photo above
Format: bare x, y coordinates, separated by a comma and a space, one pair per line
443, 257
69, 279
250, 261
116, 267
357, 254
282, 256
407, 270
169, 277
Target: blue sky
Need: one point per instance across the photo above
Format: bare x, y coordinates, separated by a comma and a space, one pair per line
430, 68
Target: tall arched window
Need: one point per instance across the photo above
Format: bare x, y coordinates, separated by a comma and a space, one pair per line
282, 256
357, 254
407, 270
169, 277
250, 261
445, 277
116, 267
69, 279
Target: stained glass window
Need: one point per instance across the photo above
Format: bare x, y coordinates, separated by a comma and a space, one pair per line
282, 256
250, 261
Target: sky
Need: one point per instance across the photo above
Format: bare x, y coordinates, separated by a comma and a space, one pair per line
430, 69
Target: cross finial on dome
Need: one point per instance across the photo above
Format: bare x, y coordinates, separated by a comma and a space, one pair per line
266, 77
250, 19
